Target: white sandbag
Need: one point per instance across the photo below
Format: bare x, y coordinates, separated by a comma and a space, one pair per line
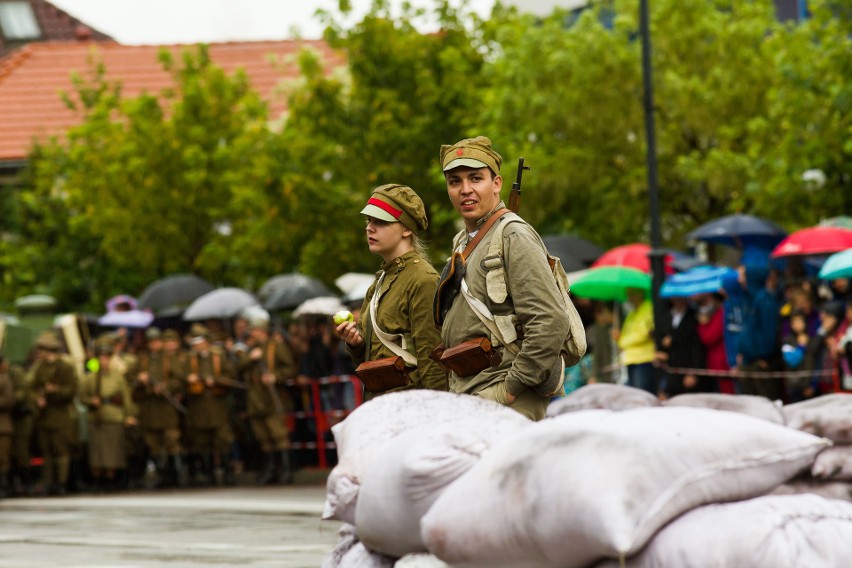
834, 463
829, 415
420, 560
566, 492
757, 406
602, 395
840, 490
349, 552
372, 424
781, 531
411, 471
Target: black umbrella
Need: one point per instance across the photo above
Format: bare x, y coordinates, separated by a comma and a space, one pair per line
739, 230
172, 294
286, 291
575, 253
221, 303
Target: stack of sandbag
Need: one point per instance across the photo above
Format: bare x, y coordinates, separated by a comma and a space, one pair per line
781, 531
398, 452
602, 396
831, 473
588, 485
350, 552
757, 406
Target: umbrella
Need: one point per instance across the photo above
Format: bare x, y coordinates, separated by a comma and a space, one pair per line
814, 240
843, 221
633, 256
221, 303
170, 295
575, 253
681, 261
698, 280
353, 280
36, 302
739, 230
610, 282
290, 281
359, 292
320, 306
121, 303
127, 318
838, 265
286, 291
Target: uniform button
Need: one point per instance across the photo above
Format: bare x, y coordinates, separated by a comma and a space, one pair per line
416, 261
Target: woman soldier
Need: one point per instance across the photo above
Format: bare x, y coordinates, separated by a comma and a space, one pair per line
395, 333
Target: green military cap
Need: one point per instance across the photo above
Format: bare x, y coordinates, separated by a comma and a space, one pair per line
105, 344
153, 333
171, 334
49, 342
471, 152
394, 202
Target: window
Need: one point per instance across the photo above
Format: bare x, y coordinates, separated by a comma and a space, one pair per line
17, 21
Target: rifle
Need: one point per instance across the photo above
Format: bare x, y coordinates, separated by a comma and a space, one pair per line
268, 366
515, 194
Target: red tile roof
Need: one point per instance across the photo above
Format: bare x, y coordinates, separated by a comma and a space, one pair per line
32, 77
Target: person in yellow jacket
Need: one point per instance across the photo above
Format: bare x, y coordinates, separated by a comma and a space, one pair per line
636, 342
106, 395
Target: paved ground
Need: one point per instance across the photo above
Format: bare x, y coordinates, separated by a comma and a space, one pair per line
249, 527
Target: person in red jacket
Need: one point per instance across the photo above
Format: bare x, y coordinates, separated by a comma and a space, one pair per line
711, 332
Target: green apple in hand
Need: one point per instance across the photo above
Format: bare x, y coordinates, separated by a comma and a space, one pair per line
342, 316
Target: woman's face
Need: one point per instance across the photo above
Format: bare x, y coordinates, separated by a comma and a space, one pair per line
388, 240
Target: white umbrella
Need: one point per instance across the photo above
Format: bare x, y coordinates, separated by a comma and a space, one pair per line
321, 306
353, 280
221, 303
357, 294
128, 318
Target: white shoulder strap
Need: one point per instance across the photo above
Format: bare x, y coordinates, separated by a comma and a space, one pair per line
389, 340
486, 317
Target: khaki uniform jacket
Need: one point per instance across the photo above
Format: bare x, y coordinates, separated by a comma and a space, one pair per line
207, 408
113, 392
277, 359
532, 295
59, 413
164, 370
405, 307
7, 403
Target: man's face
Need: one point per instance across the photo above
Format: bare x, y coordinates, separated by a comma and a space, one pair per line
473, 192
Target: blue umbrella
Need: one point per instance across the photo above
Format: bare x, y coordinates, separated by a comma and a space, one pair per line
698, 280
739, 230
838, 265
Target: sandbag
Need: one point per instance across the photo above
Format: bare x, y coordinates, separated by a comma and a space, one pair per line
757, 406
566, 492
411, 471
374, 423
840, 490
781, 531
349, 552
420, 560
602, 395
829, 415
834, 463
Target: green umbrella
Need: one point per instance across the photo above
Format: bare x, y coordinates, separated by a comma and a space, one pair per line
838, 265
610, 283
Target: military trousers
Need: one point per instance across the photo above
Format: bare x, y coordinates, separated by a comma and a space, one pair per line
271, 432
206, 440
529, 403
162, 440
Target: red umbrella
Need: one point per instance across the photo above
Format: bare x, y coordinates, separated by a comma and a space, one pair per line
814, 240
634, 255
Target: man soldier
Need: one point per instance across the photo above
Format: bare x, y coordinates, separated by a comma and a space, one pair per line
7, 404
107, 397
529, 321
54, 382
23, 418
265, 368
157, 383
209, 435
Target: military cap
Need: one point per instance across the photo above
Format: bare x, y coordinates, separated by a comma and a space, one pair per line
259, 323
471, 152
105, 344
394, 202
170, 335
153, 333
198, 333
48, 342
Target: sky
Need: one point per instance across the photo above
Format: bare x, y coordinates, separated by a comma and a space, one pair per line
188, 21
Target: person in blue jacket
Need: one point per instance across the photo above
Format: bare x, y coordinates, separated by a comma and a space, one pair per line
757, 345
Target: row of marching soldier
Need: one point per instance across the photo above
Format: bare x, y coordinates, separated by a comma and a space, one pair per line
170, 406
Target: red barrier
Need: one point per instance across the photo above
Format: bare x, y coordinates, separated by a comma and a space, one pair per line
322, 417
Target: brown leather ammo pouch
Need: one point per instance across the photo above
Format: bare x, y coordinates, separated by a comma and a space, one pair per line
383, 374
470, 357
